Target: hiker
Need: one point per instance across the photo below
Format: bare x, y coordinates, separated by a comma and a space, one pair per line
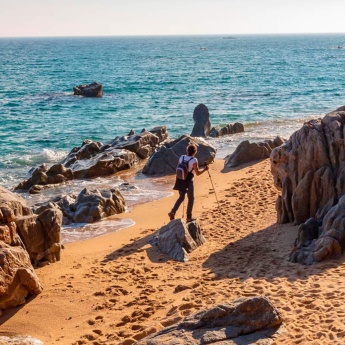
185, 184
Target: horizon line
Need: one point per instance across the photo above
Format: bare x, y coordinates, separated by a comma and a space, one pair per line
184, 35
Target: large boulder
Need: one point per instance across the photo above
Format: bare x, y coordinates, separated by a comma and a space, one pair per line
165, 159
202, 124
88, 207
89, 90
18, 278
245, 320
247, 152
39, 234
93, 159
309, 169
177, 239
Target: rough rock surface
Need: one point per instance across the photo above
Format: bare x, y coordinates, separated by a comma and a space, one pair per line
164, 161
221, 323
39, 234
94, 159
89, 90
228, 129
310, 247
88, 207
247, 152
177, 238
202, 124
17, 278
309, 169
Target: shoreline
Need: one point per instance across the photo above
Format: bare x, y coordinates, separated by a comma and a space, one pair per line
116, 289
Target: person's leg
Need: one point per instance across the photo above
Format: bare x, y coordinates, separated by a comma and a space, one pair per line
190, 195
178, 202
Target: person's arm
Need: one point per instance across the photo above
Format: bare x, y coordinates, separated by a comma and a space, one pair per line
197, 170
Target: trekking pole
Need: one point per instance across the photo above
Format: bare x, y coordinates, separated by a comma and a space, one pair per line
209, 175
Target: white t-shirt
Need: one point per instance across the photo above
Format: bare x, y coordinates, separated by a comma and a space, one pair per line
190, 161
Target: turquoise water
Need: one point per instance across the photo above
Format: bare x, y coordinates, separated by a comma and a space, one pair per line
270, 83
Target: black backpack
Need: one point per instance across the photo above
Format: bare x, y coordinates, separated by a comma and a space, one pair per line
182, 169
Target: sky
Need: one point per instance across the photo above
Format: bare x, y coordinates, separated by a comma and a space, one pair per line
22, 18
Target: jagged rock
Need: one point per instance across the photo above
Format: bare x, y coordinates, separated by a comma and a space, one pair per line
177, 238
330, 244
94, 159
202, 124
88, 207
165, 159
89, 90
309, 169
247, 152
228, 129
237, 320
18, 278
41, 235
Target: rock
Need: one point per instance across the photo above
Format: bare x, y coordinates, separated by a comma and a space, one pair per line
18, 278
89, 90
228, 129
237, 320
330, 244
247, 152
177, 238
11, 339
309, 169
164, 161
202, 124
94, 159
88, 207
41, 235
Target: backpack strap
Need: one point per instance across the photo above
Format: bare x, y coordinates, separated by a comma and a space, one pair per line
188, 164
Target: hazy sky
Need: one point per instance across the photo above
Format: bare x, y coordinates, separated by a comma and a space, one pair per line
168, 17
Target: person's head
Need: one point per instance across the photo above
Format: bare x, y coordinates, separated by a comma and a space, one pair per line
191, 149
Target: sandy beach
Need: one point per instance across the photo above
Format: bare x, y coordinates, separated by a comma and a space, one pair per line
116, 289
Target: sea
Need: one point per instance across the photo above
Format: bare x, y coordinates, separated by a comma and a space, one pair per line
270, 83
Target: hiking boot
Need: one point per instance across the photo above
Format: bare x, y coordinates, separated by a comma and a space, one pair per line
171, 215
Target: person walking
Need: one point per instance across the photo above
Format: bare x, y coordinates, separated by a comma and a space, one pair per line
187, 186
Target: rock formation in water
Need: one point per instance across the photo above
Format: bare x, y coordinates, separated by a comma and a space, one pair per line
89, 90
219, 131
247, 152
251, 320
94, 159
202, 124
164, 161
177, 239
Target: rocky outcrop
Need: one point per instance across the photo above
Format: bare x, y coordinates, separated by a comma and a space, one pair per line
218, 325
177, 239
89, 90
39, 234
317, 243
219, 131
247, 152
309, 169
164, 161
202, 124
88, 207
18, 278
94, 159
